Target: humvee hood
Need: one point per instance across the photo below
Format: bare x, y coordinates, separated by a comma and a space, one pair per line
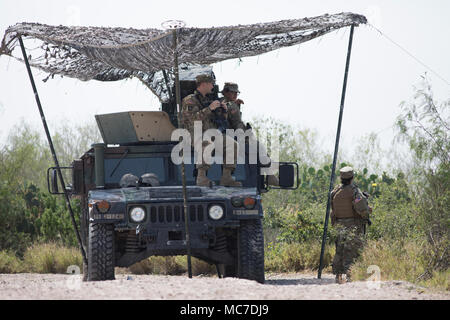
169, 193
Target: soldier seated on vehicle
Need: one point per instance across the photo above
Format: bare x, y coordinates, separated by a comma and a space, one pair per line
230, 92
197, 107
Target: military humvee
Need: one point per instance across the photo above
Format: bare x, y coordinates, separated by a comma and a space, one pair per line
127, 218
122, 223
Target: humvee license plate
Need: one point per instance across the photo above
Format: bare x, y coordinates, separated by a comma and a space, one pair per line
109, 216
239, 212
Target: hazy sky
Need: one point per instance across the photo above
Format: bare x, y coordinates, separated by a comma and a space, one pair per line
300, 85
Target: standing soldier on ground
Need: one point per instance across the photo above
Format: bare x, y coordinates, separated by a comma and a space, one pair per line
197, 107
349, 215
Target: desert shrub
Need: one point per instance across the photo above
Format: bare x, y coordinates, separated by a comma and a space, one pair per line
295, 257
396, 260
171, 265
424, 124
405, 260
51, 258
438, 280
10, 263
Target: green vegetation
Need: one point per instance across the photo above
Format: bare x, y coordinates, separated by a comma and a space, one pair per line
409, 237
408, 240
406, 260
41, 258
10, 263
29, 214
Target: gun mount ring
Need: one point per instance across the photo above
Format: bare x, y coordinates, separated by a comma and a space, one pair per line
173, 24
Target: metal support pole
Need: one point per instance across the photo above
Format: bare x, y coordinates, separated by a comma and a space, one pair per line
183, 175
336, 148
52, 149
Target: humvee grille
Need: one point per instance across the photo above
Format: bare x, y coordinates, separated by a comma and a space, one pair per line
174, 213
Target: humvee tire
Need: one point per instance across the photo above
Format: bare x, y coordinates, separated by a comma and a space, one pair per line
101, 252
251, 250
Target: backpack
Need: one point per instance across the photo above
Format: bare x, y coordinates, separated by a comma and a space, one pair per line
360, 202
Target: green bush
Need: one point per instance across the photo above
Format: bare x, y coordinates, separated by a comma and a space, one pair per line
10, 263
27, 212
394, 212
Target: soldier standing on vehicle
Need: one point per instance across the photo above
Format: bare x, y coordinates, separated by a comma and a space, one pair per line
197, 107
350, 213
230, 92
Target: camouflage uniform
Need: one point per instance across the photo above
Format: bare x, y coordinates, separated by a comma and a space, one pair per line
349, 215
195, 107
235, 122
234, 108
234, 115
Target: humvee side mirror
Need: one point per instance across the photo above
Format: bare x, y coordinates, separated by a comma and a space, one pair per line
287, 176
53, 187
52, 181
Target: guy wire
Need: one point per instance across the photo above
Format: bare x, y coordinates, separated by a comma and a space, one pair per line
410, 54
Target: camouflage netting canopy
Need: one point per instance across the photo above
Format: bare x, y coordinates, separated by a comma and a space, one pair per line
109, 54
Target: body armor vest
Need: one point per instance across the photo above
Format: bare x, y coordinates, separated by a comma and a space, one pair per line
343, 203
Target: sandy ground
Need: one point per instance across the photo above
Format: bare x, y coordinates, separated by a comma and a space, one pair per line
297, 286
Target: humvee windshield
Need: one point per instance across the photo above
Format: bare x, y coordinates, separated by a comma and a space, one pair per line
136, 166
214, 173
163, 167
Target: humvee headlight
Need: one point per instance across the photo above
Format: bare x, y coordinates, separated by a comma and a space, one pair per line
216, 212
137, 214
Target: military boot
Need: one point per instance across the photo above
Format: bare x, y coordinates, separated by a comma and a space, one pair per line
202, 179
340, 278
227, 180
348, 277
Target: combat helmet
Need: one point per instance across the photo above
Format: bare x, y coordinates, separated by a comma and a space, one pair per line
230, 87
346, 172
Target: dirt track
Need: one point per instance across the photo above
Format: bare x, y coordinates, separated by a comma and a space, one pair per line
281, 286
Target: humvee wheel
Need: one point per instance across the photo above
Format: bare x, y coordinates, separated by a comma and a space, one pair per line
251, 250
101, 252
